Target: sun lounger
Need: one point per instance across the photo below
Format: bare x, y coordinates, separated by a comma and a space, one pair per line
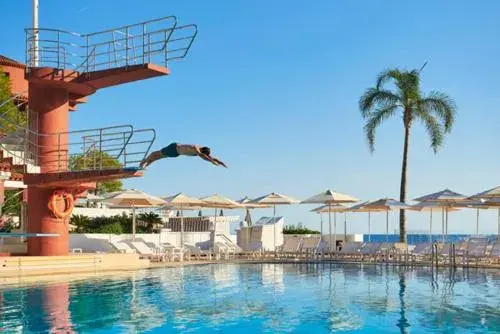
122, 247
352, 250
310, 246
386, 252
445, 253
476, 249
290, 248
370, 251
254, 250
222, 250
146, 252
494, 256
195, 251
422, 252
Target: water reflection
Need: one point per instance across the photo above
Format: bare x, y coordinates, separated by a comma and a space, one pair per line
403, 323
263, 297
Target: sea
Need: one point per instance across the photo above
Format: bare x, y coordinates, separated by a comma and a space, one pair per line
414, 239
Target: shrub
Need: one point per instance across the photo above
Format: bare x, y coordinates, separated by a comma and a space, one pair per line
299, 229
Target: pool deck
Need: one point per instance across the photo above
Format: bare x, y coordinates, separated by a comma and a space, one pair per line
24, 269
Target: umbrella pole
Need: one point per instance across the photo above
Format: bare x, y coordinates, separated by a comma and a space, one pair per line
430, 228
274, 228
442, 224
369, 227
446, 230
321, 228
345, 227
387, 226
335, 231
477, 222
133, 222
182, 235
330, 227
215, 227
498, 231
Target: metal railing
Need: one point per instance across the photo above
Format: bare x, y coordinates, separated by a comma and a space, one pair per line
90, 149
155, 41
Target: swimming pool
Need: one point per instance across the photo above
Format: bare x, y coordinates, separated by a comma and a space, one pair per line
253, 298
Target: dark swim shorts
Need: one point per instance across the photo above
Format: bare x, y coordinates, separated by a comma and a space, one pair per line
170, 151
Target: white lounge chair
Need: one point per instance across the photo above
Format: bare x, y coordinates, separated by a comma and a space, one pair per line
254, 250
222, 249
310, 246
370, 251
422, 252
476, 250
195, 251
351, 250
146, 252
494, 256
122, 247
290, 248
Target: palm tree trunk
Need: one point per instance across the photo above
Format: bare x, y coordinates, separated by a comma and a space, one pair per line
402, 194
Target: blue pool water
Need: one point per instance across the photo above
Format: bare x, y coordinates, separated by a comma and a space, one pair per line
254, 298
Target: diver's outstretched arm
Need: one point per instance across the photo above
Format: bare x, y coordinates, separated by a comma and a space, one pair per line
218, 162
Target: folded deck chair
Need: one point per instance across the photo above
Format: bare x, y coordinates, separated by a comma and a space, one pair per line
146, 252
122, 247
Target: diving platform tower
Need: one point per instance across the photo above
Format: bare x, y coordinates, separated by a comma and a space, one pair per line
62, 69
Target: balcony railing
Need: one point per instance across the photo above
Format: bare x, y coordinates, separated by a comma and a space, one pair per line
157, 41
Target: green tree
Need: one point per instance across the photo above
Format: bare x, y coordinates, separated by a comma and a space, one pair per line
113, 228
12, 203
94, 159
435, 110
82, 223
11, 119
150, 220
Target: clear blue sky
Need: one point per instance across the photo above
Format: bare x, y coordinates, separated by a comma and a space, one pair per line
272, 87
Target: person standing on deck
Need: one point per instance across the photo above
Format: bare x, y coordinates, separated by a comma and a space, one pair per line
174, 150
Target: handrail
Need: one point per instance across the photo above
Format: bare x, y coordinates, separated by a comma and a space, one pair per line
136, 44
134, 25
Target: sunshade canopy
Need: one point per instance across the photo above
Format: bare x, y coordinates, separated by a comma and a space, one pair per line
383, 204
274, 199
247, 203
493, 193
217, 201
361, 208
182, 201
330, 196
444, 196
428, 206
133, 198
336, 207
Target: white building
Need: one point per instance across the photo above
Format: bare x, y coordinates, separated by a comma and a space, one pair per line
261, 235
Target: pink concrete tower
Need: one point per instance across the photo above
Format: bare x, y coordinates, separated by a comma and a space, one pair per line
62, 69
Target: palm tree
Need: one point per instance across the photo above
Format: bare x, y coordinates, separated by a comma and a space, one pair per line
81, 222
150, 220
435, 110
